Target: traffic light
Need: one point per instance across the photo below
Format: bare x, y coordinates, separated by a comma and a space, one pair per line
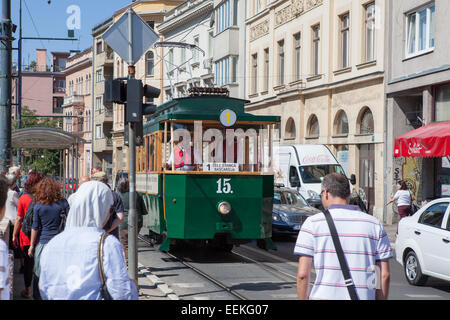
115, 91
135, 109
131, 94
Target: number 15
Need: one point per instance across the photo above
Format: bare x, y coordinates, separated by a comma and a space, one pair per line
225, 188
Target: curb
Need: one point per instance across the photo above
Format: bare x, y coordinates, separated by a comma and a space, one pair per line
157, 282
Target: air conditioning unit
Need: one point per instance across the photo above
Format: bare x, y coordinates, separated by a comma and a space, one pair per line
207, 63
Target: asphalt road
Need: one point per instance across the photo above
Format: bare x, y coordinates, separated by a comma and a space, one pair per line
270, 276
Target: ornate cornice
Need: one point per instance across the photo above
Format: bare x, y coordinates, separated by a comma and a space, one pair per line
261, 29
295, 9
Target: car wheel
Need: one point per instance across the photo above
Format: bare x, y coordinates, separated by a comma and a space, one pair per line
413, 271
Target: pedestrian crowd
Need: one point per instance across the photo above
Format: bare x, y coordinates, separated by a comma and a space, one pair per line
67, 254
69, 249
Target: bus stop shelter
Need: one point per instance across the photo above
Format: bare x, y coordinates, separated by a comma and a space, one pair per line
53, 139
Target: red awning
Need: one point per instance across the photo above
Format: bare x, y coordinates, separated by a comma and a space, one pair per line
432, 140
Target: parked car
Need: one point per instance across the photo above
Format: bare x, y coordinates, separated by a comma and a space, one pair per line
423, 243
290, 210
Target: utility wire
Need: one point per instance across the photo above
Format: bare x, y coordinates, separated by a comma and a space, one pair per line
36, 29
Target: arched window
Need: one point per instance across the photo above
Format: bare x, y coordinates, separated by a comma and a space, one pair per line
366, 124
149, 63
289, 131
341, 123
313, 126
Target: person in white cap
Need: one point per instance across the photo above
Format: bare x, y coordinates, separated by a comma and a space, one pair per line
70, 262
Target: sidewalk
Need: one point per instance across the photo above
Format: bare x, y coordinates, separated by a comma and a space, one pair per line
391, 230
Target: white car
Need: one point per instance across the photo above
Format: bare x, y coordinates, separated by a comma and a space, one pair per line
423, 243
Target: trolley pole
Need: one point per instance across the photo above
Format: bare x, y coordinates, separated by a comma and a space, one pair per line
5, 85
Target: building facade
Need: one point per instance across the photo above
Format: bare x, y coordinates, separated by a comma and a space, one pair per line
78, 107
43, 85
319, 64
102, 113
418, 91
230, 40
110, 150
189, 23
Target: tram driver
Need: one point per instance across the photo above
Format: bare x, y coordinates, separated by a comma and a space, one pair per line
182, 158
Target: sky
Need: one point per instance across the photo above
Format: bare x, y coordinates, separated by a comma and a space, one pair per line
41, 19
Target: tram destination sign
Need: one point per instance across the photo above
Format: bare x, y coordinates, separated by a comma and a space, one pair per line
220, 167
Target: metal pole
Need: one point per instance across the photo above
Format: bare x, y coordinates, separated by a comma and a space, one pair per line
19, 86
132, 216
5, 85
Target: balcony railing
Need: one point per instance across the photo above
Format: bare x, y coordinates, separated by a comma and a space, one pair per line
73, 99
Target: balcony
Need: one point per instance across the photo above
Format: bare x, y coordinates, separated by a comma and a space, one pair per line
74, 99
103, 144
104, 58
103, 115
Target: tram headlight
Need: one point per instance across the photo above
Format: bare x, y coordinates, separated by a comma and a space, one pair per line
224, 208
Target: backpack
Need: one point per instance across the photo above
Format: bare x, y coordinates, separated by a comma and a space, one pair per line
28, 220
63, 215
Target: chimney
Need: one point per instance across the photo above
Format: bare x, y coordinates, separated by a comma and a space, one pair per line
41, 60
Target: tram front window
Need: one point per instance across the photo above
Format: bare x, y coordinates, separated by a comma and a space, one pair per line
209, 147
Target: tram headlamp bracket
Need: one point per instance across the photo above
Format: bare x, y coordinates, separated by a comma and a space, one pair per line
224, 207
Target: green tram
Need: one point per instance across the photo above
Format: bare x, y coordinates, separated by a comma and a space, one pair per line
204, 171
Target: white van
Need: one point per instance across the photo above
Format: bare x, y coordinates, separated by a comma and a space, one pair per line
302, 167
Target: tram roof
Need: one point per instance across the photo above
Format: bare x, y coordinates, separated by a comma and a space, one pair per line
44, 138
207, 107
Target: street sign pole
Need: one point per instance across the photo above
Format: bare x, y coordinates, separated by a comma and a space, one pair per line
130, 37
132, 225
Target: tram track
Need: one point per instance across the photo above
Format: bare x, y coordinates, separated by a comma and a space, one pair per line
277, 273
201, 273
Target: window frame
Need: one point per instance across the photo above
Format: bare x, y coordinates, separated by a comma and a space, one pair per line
344, 35
369, 23
416, 52
97, 77
281, 62
309, 126
147, 61
443, 222
255, 72
297, 55
266, 68
315, 50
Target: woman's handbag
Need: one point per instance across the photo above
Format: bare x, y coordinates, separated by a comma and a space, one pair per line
103, 289
414, 207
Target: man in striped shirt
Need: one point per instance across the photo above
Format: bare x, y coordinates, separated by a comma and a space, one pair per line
364, 241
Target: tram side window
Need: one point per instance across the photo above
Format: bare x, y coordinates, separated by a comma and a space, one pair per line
151, 154
208, 146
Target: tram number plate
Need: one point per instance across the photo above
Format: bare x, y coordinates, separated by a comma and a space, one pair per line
220, 167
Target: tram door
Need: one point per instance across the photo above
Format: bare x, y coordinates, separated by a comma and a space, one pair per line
367, 173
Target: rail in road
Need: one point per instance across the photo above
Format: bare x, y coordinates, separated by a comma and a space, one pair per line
242, 274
